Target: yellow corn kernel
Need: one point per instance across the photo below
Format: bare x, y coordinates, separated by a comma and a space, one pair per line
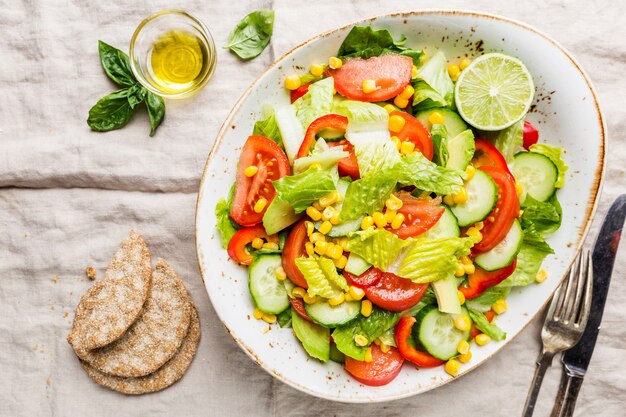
334, 219
500, 306
280, 273
298, 292
396, 141
368, 355
341, 241
465, 260
475, 233
258, 314
469, 172
368, 86
259, 206
479, 225
384, 348
541, 275
341, 262
407, 147
335, 253
366, 308
337, 300
390, 108
310, 228
448, 200
389, 215
397, 221
461, 196
519, 188
325, 227
271, 245
377, 342
269, 318
316, 237
460, 270
328, 213
413, 71
321, 247
379, 219
316, 70
491, 219
464, 63
348, 297
356, 293
407, 92
257, 243
454, 71
461, 297
292, 82
334, 62
313, 213
469, 269
393, 203
330, 198
400, 102
465, 358
310, 249
367, 222
396, 123
482, 339
462, 322
309, 299
452, 367
360, 340
251, 171
435, 118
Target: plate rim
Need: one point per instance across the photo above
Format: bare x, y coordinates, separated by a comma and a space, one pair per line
590, 211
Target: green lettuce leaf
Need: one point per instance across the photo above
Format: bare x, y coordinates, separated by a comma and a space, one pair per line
554, 153
434, 74
284, 318
439, 136
416, 170
379, 247
371, 328
461, 149
482, 324
546, 216
326, 156
365, 42
303, 189
483, 302
225, 225
367, 195
321, 276
389, 337
290, 128
508, 141
317, 102
269, 128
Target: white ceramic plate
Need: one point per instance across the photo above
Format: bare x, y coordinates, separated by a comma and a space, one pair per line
566, 113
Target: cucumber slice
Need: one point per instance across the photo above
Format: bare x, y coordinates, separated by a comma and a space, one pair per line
447, 226
269, 294
436, 332
504, 253
314, 338
452, 121
482, 196
333, 316
537, 174
336, 355
356, 265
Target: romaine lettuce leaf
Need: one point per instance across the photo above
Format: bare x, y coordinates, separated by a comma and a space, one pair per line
554, 153
378, 247
284, 318
546, 216
303, 189
365, 42
362, 117
434, 73
317, 102
439, 136
371, 328
461, 149
323, 154
321, 276
483, 302
269, 128
291, 130
482, 324
368, 195
225, 225
425, 97
416, 170
389, 337
508, 141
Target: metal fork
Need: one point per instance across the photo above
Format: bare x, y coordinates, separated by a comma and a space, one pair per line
565, 321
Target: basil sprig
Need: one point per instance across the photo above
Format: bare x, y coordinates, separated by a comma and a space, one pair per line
114, 110
252, 34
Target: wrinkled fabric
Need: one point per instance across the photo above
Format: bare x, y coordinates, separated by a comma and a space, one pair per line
68, 196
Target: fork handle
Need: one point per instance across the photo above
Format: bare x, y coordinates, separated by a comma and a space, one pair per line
567, 395
543, 363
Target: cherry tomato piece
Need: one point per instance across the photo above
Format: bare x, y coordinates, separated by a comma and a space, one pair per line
294, 248
531, 135
383, 368
420, 214
394, 293
368, 278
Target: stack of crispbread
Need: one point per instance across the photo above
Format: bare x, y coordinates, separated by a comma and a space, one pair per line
136, 331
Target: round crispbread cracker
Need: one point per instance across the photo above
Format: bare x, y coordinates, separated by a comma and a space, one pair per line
155, 337
165, 376
115, 302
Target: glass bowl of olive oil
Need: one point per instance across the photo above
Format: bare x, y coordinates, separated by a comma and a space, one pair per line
172, 54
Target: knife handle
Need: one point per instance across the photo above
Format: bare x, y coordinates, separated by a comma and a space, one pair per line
567, 395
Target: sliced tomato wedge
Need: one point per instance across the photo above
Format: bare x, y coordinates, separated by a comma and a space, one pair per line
531, 135
408, 352
489, 315
348, 167
239, 241
383, 368
420, 214
294, 249
299, 92
486, 154
368, 278
329, 121
482, 280
414, 131
506, 211
391, 72
272, 165
394, 293
298, 305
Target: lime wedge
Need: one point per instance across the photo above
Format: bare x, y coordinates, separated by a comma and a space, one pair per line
494, 92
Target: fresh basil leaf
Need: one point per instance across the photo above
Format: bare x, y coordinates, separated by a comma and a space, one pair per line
136, 95
365, 42
111, 112
252, 34
116, 65
156, 110
225, 225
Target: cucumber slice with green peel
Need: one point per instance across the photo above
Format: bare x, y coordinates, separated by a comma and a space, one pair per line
482, 196
503, 254
333, 316
453, 122
314, 338
436, 332
336, 355
446, 226
268, 292
356, 265
537, 174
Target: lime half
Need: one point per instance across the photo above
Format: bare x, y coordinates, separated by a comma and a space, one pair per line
494, 92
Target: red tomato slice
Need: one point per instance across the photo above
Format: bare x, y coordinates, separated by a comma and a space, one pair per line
294, 248
531, 135
368, 278
506, 211
391, 72
272, 164
298, 305
408, 352
394, 293
474, 331
237, 244
299, 92
383, 368
488, 155
420, 214
415, 132
348, 167
482, 280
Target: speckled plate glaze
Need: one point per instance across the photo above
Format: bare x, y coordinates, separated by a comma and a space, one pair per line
565, 111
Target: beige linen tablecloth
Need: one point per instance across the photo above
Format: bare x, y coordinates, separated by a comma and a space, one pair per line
68, 196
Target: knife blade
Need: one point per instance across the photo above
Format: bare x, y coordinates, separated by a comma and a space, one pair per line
576, 360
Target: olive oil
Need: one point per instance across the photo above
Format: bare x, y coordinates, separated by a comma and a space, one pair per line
179, 60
